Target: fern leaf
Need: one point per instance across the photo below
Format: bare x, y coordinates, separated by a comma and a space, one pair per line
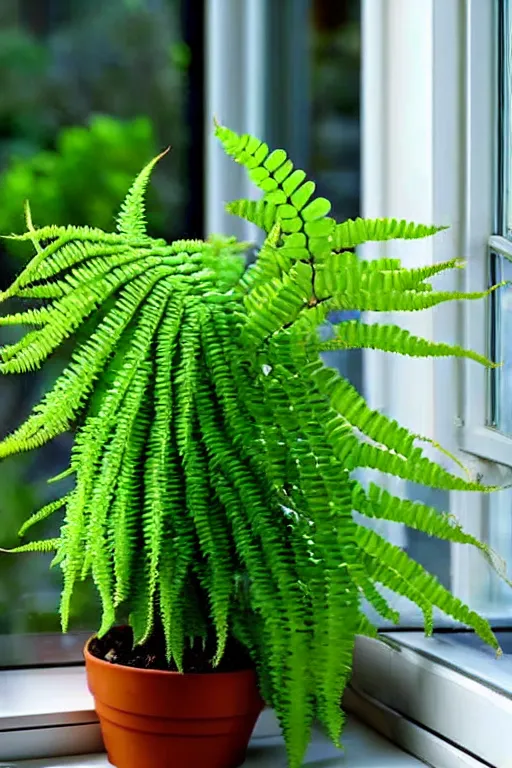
89, 445
185, 379
213, 540
346, 400
296, 208
374, 597
41, 291
102, 495
343, 272
393, 579
353, 334
378, 503
127, 504
131, 220
272, 305
355, 232
388, 555
261, 212
59, 322
46, 545
395, 301
158, 449
42, 514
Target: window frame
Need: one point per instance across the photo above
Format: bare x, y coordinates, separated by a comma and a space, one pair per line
435, 162
483, 176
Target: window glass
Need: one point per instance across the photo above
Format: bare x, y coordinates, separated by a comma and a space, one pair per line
500, 413
504, 213
90, 92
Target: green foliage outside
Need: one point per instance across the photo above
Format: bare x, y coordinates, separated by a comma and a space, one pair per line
109, 80
214, 459
82, 181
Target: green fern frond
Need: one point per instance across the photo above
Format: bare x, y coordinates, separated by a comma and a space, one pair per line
355, 232
131, 220
344, 272
380, 504
42, 514
374, 597
392, 579
272, 305
386, 556
353, 334
158, 448
69, 394
46, 545
395, 301
296, 207
259, 212
272, 263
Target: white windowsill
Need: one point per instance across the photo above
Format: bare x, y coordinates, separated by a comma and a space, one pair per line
412, 694
45, 712
363, 749
459, 695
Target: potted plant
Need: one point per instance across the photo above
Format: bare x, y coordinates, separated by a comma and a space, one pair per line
214, 459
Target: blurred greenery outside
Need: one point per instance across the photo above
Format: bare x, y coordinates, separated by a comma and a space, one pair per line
87, 96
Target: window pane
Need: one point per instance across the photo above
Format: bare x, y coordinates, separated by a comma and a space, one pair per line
504, 217
501, 412
89, 93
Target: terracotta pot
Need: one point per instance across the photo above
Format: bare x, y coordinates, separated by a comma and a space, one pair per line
169, 720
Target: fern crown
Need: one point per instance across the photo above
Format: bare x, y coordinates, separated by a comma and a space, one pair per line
214, 451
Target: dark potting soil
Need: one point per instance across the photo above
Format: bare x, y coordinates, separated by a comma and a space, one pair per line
117, 648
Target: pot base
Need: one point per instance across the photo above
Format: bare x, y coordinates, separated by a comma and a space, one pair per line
133, 749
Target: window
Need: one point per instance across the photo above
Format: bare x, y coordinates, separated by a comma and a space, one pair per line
438, 79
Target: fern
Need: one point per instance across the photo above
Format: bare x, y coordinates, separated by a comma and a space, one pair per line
351, 233
353, 334
213, 456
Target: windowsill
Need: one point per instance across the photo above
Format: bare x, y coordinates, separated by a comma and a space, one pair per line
363, 748
45, 712
457, 694
412, 692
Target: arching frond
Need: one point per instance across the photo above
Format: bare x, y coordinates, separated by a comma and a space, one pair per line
386, 558
42, 514
355, 232
353, 334
131, 220
288, 197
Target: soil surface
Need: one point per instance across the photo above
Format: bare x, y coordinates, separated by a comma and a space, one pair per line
117, 648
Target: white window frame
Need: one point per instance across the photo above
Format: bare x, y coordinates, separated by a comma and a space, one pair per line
481, 168
434, 162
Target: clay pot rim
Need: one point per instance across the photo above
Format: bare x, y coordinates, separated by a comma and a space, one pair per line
160, 672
